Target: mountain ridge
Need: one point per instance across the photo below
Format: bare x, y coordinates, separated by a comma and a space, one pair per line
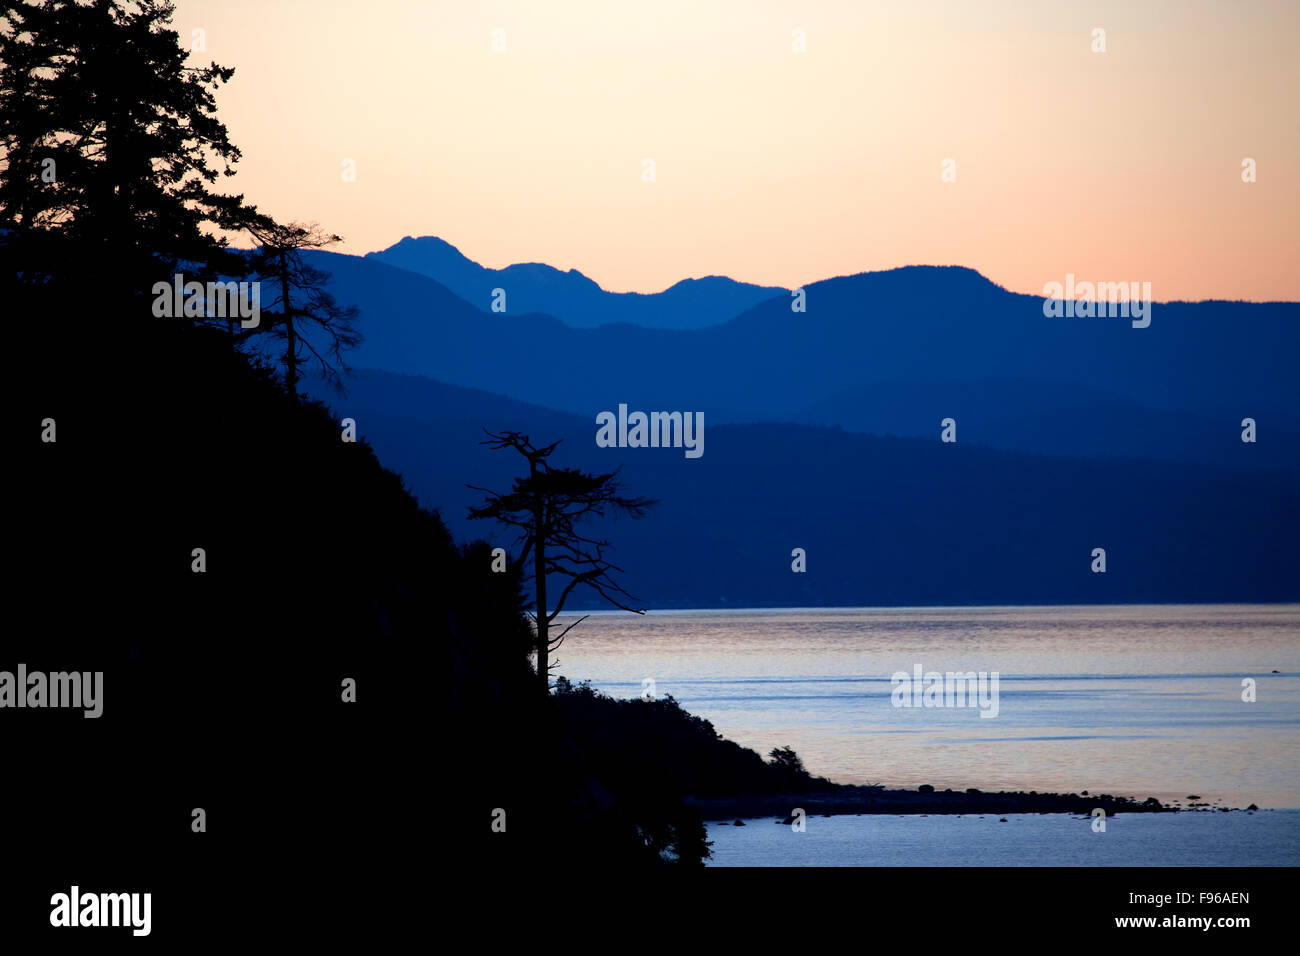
941, 322
884, 520
569, 295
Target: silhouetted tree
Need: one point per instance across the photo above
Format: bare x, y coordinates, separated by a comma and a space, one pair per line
546, 506
690, 838
27, 112
107, 138
786, 759
101, 87
300, 298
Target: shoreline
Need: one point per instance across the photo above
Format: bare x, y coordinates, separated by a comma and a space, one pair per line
848, 799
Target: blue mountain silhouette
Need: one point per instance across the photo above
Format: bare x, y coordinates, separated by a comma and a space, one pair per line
1072, 434
884, 521
1222, 360
571, 296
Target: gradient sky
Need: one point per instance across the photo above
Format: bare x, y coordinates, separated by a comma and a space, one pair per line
781, 167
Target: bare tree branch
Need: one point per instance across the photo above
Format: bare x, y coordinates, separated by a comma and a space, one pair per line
546, 506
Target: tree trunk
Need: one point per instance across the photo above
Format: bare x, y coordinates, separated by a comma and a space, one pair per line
539, 575
291, 355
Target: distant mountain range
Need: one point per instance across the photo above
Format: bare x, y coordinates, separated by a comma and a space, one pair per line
572, 297
1054, 418
883, 353
883, 521
823, 432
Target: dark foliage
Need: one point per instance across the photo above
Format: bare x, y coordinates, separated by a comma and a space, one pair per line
222, 688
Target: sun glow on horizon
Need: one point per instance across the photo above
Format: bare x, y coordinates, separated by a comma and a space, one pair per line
776, 166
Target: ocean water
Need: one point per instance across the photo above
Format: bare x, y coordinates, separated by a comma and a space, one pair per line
1266, 838
1129, 700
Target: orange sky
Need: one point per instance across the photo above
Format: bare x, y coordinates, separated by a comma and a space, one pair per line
774, 166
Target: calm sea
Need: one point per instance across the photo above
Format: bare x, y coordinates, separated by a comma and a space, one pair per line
1129, 700
1266, 838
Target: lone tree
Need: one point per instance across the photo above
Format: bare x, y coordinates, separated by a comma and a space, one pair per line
786, 759
300, 299
546, 505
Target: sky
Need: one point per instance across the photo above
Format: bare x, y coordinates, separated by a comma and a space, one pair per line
777, 166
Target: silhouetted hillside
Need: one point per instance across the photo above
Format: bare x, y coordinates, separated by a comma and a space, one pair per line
222, 689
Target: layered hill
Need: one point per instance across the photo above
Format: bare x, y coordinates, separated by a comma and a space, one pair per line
882, 353
569, 295
882, 520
